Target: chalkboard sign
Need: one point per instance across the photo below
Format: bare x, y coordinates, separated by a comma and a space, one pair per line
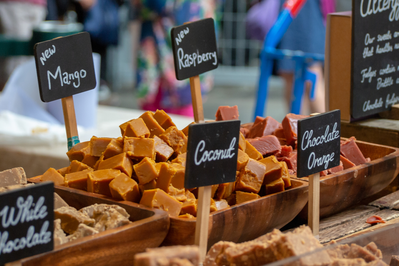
26, 222
65, 66
212, 152
194, 48
375, 53
318, 143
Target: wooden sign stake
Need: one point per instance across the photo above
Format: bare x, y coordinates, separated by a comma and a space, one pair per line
314, 204
71, 126
204, 193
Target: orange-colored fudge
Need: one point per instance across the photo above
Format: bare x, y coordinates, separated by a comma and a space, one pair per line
245, 196
78, 151
120, 162
145, 171
166, 173
275, 186
224, 190
90, 160
180, 159
150, 185
136, 128
178, 178
242, 142
163, 119
176, 139
157, 198
139, 148
286, 175
114, 147
98, 145
250, 179
179, 194
274, 170
189, 206
125, 188
54, 176
252, 151
98, 181
242, 160
78, 179
153, 126
76, 166
162, 150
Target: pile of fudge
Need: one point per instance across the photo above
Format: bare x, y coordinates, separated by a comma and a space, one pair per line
269, 248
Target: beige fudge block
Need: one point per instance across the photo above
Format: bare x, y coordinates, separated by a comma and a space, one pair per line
12, 176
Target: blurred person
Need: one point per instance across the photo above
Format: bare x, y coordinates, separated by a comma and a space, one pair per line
306, 33
17, 20
157, 86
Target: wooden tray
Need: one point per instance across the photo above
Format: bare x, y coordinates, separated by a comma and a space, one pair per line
347, 188
239, 223
244, 221
112, 247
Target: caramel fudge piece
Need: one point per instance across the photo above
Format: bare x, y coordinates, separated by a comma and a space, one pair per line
250, 179
152, 124
98, 145
125, 188
252, 152
76, 166
179, 194
185, 130
224, 190
175, 139
52, 175
79, 151
114, 147
145, 170
275, 186
178, 178
162, 150
98, 181
119, 162
163, 119
78, 179
59, 235
148, 186
242, 142
245, 196
139, 148
174, 255
274, 170
242, 160
285, 175
189, 206
186, 216
71, 218
180, 159
166, 173
136, 128
12, 176
82, 231
157, 198
90, 160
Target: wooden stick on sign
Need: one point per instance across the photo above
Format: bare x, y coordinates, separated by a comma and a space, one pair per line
71, 126
314, 201
204, 193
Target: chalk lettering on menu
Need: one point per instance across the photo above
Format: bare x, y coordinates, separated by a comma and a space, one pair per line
202, 156
368, 106
372, 7
66, 78
181, 35
27, 212
187, 60
47, 54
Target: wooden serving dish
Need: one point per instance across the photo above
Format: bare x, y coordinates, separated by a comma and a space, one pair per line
238, 223
348, 187
244, 221
112, 247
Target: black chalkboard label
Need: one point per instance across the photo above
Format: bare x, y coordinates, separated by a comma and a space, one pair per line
26, 222
65, 66
194, 48
212, 151
375, 53
318, 143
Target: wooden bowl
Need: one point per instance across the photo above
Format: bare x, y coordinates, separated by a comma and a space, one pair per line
348, 187
244, 221
112, 247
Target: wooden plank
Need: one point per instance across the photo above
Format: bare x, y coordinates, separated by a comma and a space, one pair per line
392, 114
71, 126
390, 201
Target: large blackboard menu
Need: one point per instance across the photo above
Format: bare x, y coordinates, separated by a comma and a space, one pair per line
375, 56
